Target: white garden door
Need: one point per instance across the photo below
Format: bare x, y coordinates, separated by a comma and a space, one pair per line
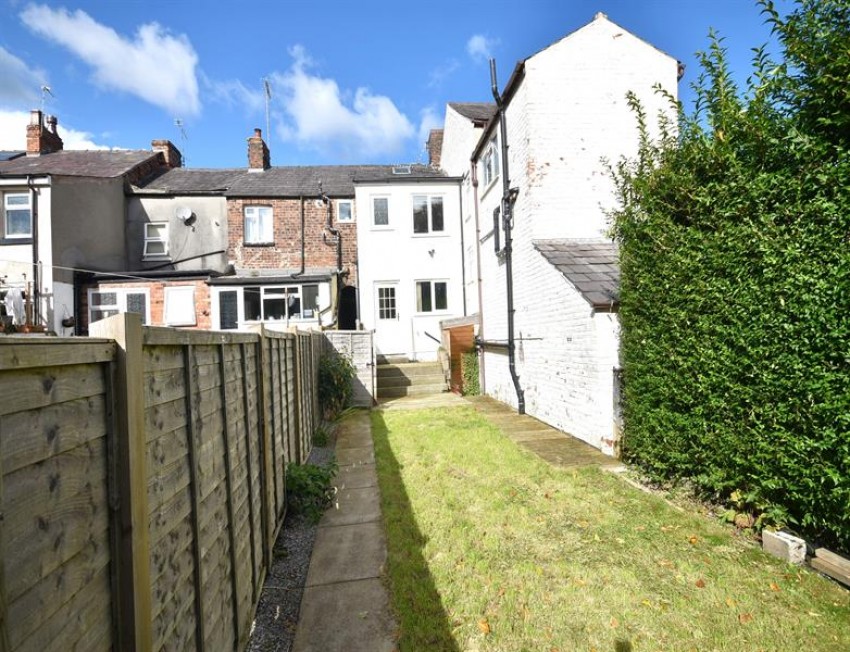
391, 334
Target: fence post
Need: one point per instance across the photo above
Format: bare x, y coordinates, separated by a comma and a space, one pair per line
133, 538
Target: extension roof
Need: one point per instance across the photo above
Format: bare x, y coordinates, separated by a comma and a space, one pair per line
77, 163
592, 267
6, 155
475, 111
283, 181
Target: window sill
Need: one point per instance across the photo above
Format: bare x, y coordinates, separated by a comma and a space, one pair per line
489, 187
382, 228
258, 244
15, 241
157, 259
433, 234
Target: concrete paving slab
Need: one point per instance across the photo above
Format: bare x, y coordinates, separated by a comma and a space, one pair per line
569, 452
347, 617
534, 435
355, 456
346, 553
356, 477
354, 506
354, 440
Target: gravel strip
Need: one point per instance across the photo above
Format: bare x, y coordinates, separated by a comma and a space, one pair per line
274, 624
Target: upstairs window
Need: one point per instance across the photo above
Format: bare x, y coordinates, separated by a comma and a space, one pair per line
156, 240
344, 211
259, 227
427, 214
490, 163
431, 296
380, 211
17, 216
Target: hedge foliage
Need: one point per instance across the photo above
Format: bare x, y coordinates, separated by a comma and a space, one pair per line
336, 373
734, 231
469, 373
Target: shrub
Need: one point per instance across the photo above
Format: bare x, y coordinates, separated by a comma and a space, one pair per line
309, 491
469, 373
336, 374
735, 276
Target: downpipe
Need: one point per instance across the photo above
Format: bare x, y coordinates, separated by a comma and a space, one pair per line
508, 198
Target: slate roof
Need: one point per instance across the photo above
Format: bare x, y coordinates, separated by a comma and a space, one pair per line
475, 111
283, 181
6, 155
77, 163
591, 266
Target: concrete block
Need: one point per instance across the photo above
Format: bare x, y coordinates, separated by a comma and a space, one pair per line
785, 546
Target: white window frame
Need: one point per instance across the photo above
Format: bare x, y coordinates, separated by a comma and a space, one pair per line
16, 207
343, 202
265, 226
269, 292
158, 238
175, 301
389, 223
430, 217
432, 294
491, 163
120, 305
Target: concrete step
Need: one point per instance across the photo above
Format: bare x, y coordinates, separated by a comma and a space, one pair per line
409, 369
412, 381
413, 390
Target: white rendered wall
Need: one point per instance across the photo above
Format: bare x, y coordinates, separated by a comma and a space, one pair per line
394, 254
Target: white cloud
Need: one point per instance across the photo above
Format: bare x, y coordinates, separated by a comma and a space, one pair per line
234, 93
316, 115
428, 119
21, 84
157, 66
441, 73
480, 47
13, 133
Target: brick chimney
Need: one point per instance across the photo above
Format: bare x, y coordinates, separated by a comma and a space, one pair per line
172, 155
435, 147
258, 153
42, 137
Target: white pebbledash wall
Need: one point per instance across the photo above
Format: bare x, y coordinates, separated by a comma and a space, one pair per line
567, 115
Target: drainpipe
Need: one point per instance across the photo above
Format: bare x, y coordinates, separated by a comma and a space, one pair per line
36, 275
482, 377
303, 254
508, 197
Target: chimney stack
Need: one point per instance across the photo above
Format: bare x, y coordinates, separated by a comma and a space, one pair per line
258, 153
435, 147
172, 155
42, 139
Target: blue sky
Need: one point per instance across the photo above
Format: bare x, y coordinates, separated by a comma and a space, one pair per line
351, 81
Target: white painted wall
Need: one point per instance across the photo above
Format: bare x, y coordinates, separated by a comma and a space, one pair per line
567, 114
394, 254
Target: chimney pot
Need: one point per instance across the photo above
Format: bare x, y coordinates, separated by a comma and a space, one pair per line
41, 139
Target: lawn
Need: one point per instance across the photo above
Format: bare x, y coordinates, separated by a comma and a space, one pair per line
489, 548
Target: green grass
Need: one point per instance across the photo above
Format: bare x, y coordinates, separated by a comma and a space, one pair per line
492, 549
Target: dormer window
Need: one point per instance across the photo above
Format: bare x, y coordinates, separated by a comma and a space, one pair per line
490, 163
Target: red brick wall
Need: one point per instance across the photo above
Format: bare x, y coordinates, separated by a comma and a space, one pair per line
285, 252
156, 297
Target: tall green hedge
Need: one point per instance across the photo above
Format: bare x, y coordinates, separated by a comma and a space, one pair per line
735, 302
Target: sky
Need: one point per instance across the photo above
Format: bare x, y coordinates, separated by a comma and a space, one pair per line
349, 81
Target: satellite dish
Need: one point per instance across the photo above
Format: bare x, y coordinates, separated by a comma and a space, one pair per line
184, 214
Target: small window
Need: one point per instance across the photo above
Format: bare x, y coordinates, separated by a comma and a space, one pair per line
490, 163
344, 211
387, 303
427, 214
228, 309
311, 301
431, 296
180, 306
17, 220
259, 227
156, 240
381, 211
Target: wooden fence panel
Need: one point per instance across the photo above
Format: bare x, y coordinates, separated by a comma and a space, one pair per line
56, 438
144, 475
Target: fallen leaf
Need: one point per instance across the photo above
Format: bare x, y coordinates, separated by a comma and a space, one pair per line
700, 583
614, 623
731, 603
693, 539
745, 618
484, 626
774, 586
646, 603
666, 563
526, 614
